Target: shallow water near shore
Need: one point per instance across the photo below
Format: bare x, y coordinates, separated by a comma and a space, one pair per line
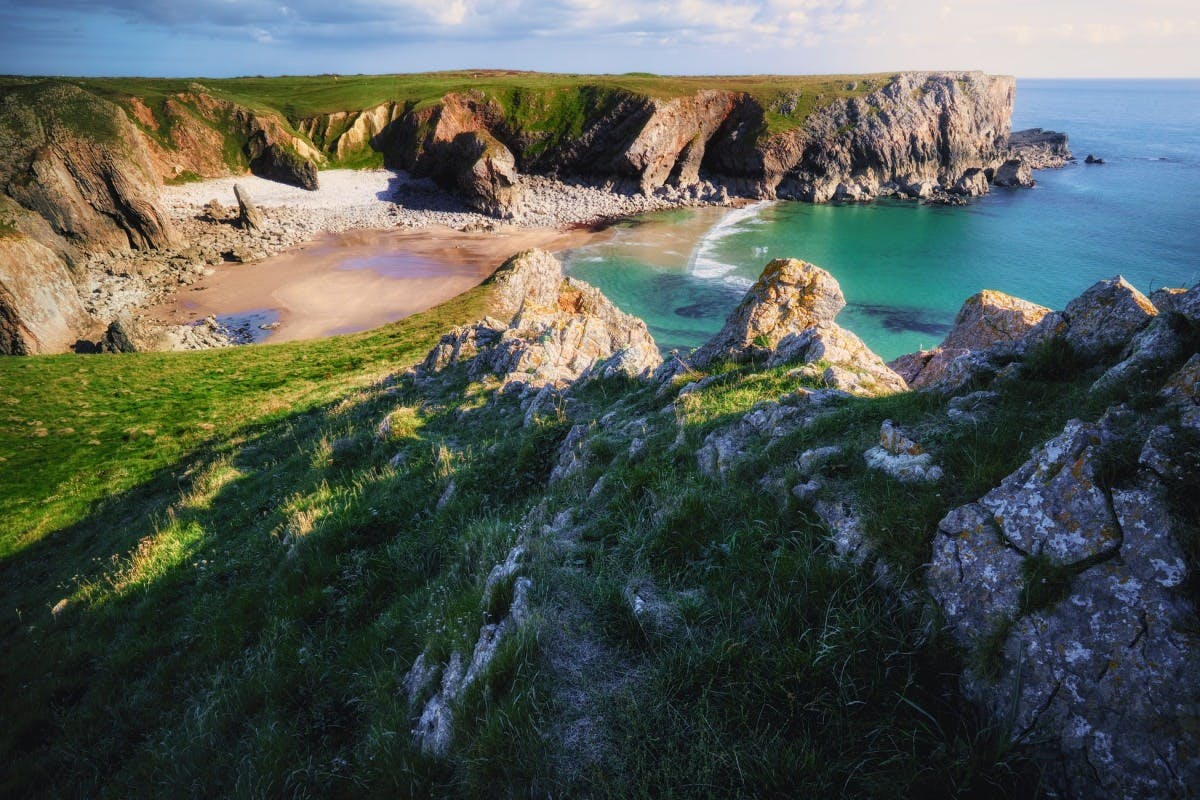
906, 268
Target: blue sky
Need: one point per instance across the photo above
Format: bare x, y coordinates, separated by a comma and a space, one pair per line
216, 38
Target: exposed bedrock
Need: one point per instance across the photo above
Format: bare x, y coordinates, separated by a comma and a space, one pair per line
920, 134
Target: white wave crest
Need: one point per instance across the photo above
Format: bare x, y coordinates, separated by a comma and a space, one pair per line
703, 262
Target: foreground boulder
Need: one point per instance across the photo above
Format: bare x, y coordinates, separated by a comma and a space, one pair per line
553, 331
1068, 591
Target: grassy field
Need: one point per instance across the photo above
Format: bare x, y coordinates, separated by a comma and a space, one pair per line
216, 570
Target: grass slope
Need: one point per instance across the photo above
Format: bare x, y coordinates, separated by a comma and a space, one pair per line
222, 595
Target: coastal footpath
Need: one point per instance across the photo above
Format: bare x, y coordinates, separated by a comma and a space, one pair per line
88, 235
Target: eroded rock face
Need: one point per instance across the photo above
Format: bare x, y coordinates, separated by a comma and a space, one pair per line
559, 331
1102, 676
790, 297
40, 310
95, 185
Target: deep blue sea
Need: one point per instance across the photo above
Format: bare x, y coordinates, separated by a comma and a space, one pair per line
906, 268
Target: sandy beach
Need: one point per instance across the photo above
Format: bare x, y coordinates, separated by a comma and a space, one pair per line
353, 281
366, 248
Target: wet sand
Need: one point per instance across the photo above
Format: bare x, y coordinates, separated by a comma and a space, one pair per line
355, 281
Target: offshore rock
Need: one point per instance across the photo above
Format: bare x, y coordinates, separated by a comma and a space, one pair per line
1040, 149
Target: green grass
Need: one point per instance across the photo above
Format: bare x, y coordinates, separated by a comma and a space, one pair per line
245, 566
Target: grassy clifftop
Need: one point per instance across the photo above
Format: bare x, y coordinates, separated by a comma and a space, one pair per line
299, 97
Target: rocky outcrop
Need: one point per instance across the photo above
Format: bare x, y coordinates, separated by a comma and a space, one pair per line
988, 321
1099, 322
1066, 586
93, 183
789, 297
1040, 149
1014, 172
40, 310
787, 317
560, 330
898, 455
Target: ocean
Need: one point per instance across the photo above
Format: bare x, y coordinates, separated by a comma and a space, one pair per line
906, 268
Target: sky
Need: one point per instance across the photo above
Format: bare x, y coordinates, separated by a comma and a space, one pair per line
220, 38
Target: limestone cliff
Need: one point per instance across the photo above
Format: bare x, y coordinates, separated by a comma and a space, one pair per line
915, 134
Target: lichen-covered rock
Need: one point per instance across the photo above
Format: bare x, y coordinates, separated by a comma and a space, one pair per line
1158, 343
854, 367
559, 331
1100, 321
1102, 682
1181, 301
790, 297
901, 457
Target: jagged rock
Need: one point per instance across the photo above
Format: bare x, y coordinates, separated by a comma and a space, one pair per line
128, 334
1182, 301
1102, 682
902, 458
1101, 320
988, 321
1158, 343
1182, 390
973, 183
434, 730
809, 460
1091, 159
1041, 149
248, 214
1014, 172
560, 331
214, 211
789, 297
787, 316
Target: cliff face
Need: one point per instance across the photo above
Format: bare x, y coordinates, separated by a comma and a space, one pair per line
916, 135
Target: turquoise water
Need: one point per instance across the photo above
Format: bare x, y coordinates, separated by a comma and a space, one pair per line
906, 268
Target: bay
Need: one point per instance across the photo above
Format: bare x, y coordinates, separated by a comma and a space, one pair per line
906, 268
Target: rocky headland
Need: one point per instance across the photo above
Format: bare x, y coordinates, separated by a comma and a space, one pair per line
95, 235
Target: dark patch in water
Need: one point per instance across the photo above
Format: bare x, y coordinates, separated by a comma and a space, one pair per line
703, 310
899, 319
